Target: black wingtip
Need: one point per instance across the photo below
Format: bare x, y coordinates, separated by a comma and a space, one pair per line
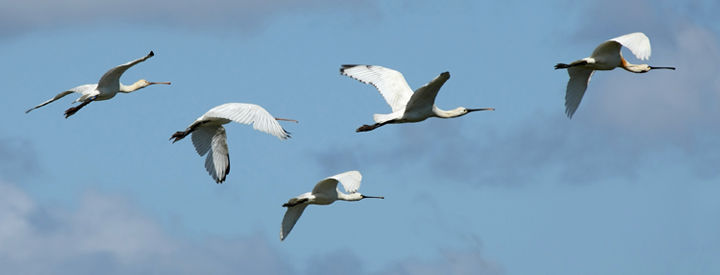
287, 134
345, 66
151, 53
569, 114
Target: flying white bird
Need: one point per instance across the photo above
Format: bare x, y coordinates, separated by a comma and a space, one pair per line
406, 105
606, 56
208, 134
108, 86
324, 193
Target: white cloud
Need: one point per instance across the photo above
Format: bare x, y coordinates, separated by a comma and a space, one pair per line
106, 235
661, 101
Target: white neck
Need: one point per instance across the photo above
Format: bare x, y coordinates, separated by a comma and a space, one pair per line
349, 197
131, 88
448, 114
635, 68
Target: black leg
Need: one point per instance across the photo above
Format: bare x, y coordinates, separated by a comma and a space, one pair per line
366, 127
74, 110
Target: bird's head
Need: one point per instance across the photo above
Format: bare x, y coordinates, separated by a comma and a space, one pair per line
640, 68
644, 68
142, 83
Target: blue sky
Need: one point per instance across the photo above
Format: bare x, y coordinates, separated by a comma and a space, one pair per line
628, 186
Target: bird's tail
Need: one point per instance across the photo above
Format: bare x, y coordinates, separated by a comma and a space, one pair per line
380, 118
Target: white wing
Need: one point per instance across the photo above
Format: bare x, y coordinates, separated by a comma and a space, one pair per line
202, 137
389, 82
83, 89
112, 77
291, 217
637, 42
211, 138
350, 180
248, 114
579, 79
606, 51
425, 96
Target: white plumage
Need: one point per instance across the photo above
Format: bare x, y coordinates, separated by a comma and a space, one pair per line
325, 192
108, 86
406, 105
606, 56
208, 134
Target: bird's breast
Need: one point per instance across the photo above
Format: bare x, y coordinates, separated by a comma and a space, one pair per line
606, 62
105, 94
322, 199
417, 115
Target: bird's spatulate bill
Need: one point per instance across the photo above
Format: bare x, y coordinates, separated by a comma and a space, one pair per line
481, 109
667, 68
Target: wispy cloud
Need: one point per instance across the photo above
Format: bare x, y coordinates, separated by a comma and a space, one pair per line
451, 261
456, 261
108, 235
541, 148
658, 101
626, 123
105, 234
18, 159
342, 261
19, 17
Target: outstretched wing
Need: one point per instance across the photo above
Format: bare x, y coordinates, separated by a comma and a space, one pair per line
291, 217
637, 42
83, 89
425, 96
350, 181
389, 82
248, 114
211, 138
112, 77
579, 79
202, 137
608, 50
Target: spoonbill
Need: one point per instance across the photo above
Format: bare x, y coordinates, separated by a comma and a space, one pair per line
406, 105
606, 56
208, 133
108, 86
324, 193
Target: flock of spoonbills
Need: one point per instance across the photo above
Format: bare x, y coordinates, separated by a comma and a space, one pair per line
208, 134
